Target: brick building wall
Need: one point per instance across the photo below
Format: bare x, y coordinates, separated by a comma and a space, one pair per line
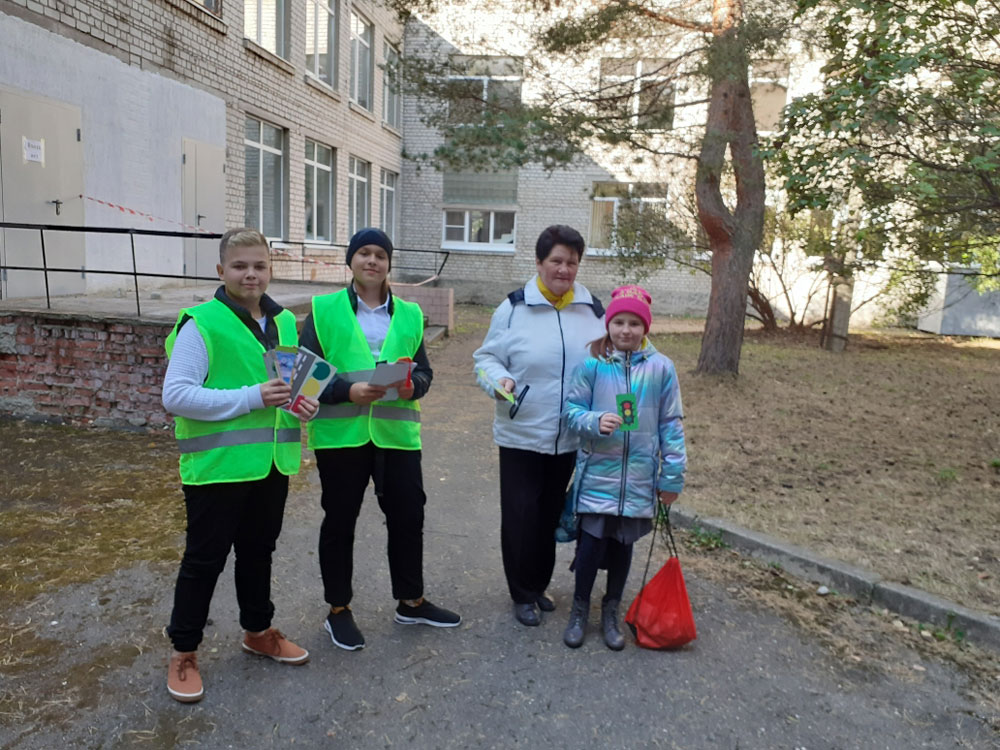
84, 371
181, 41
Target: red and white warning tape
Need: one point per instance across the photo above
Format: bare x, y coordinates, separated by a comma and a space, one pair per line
305, 259
148, 217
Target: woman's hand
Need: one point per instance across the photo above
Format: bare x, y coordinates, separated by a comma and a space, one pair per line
609, 422
275, 392
405, 391
668, 497
363, 394
306, 408
507, 384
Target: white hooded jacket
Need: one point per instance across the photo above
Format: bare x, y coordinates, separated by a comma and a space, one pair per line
534, 344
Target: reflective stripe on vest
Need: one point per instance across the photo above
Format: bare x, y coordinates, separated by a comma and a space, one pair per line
348, 410
239, 437
246, 447
392, 424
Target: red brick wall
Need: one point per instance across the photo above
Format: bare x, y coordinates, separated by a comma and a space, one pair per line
68, 368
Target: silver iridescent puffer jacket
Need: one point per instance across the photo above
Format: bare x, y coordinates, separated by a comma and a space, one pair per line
621, 474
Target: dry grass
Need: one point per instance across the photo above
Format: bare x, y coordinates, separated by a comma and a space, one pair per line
886, 456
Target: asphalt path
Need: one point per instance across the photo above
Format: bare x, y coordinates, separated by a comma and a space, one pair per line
751, 680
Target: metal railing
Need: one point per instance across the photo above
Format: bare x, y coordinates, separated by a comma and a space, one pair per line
405, 259
428, 264
45, 269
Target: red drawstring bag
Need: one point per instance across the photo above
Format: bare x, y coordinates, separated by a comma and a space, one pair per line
660, 617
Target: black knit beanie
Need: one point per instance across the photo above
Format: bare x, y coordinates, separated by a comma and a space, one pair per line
369, 236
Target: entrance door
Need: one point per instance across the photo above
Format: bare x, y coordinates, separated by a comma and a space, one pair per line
203, 202
41, 180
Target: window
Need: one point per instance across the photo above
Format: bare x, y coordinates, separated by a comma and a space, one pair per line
769, 93
264, 184
361, 61
392, 101
387, 195
481, 84
212, 6
618, 203
358, 175
639, 91
478, 229
319, 192
321, 41
264, 24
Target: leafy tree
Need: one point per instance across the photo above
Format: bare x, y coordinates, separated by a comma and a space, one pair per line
715, 39
903, 141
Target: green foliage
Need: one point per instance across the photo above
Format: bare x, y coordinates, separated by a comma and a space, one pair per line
707, 541
903, 141
947, 476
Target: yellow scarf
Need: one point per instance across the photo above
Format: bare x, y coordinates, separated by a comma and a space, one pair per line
557, 302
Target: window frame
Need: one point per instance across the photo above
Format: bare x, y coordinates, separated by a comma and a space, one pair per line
760, 76
392, 97
282, 192
331, 171
353, 180
332, 11
356, 42
384, 188
281, 23
465, 243
639, 81
616, 200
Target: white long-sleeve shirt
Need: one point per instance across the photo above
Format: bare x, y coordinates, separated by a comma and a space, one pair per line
184, 391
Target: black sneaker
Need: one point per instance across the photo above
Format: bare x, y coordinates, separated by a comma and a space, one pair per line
427, 614
343, 632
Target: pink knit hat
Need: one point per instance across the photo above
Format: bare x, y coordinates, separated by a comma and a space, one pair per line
630, 298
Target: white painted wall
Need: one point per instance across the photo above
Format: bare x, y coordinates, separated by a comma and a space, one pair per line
134, 123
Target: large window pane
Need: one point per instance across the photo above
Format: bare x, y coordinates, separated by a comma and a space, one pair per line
251, 214
310, 202
272, 136
602, 221
479, 226
503, 227
361, 61
392, 101
271, 174
324, 204
264, 23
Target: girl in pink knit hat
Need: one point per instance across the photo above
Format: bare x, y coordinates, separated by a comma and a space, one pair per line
625, 403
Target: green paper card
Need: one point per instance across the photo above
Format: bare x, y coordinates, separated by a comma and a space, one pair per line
628, 410
496, 386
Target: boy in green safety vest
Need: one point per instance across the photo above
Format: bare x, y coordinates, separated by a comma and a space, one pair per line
237, 452
363, 433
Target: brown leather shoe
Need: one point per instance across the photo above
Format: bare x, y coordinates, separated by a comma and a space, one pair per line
272, 643
183, 677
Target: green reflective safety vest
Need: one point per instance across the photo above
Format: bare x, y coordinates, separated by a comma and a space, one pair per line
388, 424
240, 449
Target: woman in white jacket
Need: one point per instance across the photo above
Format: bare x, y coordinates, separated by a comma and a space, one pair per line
537, 337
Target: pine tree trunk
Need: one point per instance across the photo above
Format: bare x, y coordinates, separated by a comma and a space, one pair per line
733, 236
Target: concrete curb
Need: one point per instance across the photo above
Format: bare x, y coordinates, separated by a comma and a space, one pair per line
863, 585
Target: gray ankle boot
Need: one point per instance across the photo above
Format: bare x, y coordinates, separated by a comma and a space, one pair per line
575, 629
609, 625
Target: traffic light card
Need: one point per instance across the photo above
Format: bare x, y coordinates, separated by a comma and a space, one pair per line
628, 410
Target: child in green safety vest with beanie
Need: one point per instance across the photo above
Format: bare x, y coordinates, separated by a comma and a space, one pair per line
237, 450
361, 435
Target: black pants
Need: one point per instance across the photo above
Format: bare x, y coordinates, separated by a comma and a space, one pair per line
399, 487
592, 553
245, 516
532, 493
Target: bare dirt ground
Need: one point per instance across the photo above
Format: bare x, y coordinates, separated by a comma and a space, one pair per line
884, 456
